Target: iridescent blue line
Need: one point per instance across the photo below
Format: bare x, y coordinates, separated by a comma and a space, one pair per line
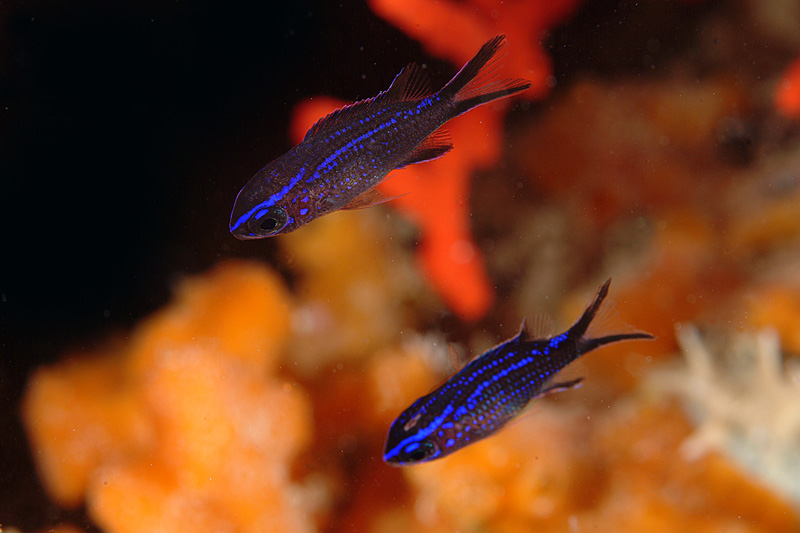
335, 155
421, 434
496, 377
269, 202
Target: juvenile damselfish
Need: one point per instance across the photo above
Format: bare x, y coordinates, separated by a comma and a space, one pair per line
497, 386
347, 153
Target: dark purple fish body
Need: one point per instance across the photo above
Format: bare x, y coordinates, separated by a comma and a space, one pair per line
347, 153
493, 389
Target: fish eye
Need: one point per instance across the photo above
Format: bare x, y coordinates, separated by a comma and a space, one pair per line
417, 455
269, 224
274, 220
417, 451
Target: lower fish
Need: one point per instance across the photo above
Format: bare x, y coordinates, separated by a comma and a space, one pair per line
497, 386
347, 153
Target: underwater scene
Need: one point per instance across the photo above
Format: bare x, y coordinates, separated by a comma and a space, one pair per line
508, 266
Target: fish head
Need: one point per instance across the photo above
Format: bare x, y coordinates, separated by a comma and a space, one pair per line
265, 207
264, 222
413, 453
254, 217
413, 437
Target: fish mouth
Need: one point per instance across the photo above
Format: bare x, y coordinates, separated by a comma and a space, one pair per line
393, 462
238, 228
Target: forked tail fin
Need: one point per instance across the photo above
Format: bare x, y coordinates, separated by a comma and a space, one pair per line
473, 84
599, 325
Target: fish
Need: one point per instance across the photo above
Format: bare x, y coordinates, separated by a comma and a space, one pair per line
499, 385
345, 154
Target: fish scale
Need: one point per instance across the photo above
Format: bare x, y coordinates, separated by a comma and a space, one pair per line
359, 162
494, 388
346, 154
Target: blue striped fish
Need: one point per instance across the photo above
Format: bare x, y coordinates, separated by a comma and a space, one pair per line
347, 153
496, 387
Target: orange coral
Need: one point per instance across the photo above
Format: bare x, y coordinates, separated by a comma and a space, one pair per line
398, 377
72, 432
348, 273
777, 305
186, 425
680, 280
787, 92
200, 437
609, 150
764, 222
555, 471
249, 320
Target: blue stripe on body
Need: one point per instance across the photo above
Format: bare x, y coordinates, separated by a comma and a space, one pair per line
411, 447
269, 202
421, 434
329, 162
472, 398
558, 339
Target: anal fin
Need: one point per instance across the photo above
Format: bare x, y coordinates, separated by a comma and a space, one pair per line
559, 387
369, 198
434, 146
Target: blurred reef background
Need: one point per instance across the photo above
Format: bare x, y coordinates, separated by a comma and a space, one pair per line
157, 374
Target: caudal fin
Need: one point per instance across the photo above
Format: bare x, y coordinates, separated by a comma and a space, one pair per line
473, 84
599, 325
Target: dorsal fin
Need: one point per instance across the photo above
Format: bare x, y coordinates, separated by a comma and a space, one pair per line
523, 334
332, 120
410, 84
541, 327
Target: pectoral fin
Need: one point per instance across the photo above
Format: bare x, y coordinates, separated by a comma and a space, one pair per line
369, 198
455, 359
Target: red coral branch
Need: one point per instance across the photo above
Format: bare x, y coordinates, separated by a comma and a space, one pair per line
787, 92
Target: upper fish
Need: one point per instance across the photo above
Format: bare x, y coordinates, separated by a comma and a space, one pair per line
347, 153
497, 386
